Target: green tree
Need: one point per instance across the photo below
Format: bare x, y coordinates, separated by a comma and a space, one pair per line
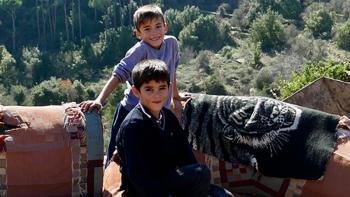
177, 20
289, 9
172, 18
320, 23
189, 14
113, 45
268, 30
102, 6
49, 92
56, 91
32, 60
10, 6
205, 33
342, 36
8, 72
266, 4
79, 92
19, 93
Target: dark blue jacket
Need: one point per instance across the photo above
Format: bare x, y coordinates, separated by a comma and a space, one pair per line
149, 152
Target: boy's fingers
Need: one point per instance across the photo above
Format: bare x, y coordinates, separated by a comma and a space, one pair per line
86, 106
95, 105
91, 106
344, 122
186, 97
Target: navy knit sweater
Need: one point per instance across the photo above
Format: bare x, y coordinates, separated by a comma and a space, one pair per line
150, 151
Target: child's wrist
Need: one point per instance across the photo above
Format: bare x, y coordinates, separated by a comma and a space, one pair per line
177, 97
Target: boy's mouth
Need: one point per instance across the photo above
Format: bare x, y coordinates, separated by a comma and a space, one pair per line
155, 39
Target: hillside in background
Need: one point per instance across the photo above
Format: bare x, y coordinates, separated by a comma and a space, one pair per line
54, 51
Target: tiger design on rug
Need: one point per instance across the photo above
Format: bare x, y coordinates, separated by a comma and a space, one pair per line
242, 125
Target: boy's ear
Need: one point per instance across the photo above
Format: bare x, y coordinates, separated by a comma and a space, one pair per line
138, 34
135, 91
166, 27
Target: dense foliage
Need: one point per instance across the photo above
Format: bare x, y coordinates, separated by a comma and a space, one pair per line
312, 72
320, 23
289, 9
343, 36
268, 30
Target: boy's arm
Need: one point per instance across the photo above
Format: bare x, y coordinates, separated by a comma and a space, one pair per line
176, 95
121, 73
89, 105
140, 163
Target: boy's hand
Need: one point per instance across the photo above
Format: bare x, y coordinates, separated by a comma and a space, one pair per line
88, 106
344, 122
182, 97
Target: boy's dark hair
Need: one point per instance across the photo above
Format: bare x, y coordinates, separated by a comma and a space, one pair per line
145, 13
148, 70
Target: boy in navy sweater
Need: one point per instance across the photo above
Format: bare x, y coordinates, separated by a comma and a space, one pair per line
155, 156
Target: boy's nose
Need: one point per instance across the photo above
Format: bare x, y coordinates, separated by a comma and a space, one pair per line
158, 93
155, 33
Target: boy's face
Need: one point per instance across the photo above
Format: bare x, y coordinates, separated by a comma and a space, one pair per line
153, 95
152, 32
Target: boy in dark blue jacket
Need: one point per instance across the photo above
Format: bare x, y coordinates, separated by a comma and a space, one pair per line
156, 158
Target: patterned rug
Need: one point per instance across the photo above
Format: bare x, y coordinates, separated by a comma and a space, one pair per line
276, 138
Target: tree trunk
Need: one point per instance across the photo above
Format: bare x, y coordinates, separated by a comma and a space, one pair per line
66, 19
43, 15
38, 21
130, 15
118, 21
72, 15
54, 19
49, 16
79, 18
95, 15
13, 17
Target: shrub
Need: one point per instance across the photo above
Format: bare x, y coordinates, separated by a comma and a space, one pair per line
255, 51
56, 91
264, 78
342, 37
202, 61
19, 94
205, 33
310, 73
289, 9
320, 23
268, 30
7, 68
177, 20
214, 86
